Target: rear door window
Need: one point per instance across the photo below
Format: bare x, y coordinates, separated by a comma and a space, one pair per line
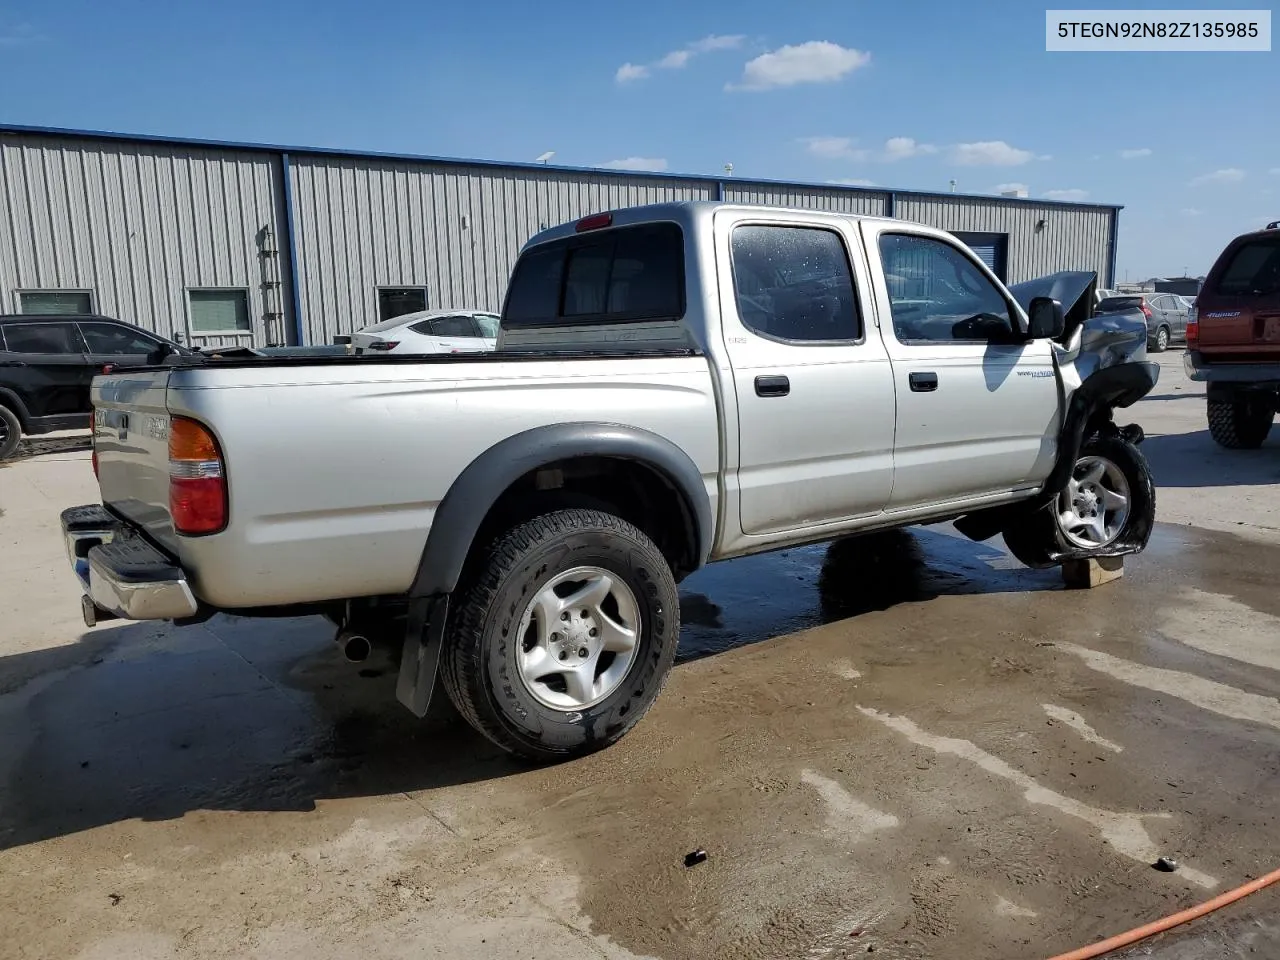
446, 327
50, 338
616, 276
1254, 269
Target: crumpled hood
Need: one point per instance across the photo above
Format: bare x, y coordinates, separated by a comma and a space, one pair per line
1067, 287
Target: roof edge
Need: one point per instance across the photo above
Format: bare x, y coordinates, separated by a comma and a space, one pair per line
345, 153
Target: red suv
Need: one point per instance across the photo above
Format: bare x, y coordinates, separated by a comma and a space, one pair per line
1233, 339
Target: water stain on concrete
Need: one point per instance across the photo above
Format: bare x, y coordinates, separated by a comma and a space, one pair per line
1080, 726
1207, 694
847, 813
1125, 832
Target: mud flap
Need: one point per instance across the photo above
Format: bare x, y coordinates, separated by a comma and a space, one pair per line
420, 656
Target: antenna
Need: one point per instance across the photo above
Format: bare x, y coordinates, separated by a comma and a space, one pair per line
545, 157
728, 169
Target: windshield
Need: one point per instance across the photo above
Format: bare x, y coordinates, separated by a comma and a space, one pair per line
1252, 269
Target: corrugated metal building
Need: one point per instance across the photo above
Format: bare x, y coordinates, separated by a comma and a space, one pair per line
241, 243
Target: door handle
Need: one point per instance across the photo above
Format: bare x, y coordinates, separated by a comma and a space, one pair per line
923, 382
777, 386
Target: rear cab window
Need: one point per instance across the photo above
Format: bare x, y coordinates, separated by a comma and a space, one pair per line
626, 274
1252, 269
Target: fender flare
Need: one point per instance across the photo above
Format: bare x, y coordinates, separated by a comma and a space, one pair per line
486, 478
14, 402
1100, 394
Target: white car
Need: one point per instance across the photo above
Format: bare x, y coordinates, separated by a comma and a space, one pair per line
430, 331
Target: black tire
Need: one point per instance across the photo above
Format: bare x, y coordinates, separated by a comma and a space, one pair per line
10, 432
1161, 343
1241, 424
1038, 539
478, 662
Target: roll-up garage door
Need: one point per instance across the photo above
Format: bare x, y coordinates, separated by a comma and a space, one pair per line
991, 248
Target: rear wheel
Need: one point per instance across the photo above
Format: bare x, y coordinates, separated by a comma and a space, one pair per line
565, 637
10, 432
1162, 340
1241, 424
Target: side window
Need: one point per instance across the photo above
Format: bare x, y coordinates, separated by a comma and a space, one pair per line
42, 338
794, 284
450, 327
938, 295
120, 341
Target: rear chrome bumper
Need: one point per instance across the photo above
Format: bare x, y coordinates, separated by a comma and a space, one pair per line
120, 571
1196, 368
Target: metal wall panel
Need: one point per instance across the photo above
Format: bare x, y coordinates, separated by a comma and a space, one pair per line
1072, 238
139, 224
455, 230
808, 198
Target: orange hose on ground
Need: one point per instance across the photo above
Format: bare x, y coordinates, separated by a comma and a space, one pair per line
1173, 920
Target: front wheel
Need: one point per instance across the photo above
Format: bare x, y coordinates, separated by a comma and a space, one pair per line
565, 637
1108, 500
10, 432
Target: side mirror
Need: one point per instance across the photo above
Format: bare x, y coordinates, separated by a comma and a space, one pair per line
1045, 319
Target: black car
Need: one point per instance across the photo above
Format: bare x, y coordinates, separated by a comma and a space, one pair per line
48, 362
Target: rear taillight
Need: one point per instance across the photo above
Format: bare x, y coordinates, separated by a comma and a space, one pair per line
384, 344
1193, 327
1146, 311
197, 487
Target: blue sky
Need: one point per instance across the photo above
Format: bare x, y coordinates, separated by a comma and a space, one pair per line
905, 95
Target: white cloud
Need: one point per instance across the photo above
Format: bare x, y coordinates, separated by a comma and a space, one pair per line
1226, 175
835, 148
992, 153
852, 182
649, 164
1073, 193
1135, 153
717, 42
631, 71
818, 61
901, 148
1189, 212
1003, 187
677, 59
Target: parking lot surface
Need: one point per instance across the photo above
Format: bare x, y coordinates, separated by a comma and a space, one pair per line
903, 745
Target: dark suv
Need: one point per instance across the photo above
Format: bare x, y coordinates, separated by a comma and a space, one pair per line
48, 362
1233, 339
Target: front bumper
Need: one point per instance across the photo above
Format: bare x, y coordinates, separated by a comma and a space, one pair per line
1197, 369
119, 571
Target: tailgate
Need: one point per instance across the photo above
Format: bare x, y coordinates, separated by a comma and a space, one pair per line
131, 440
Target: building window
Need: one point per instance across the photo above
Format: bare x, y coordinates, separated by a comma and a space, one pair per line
219, 311
397, 301
78, 302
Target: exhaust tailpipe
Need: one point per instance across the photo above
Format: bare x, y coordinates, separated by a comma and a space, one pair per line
355, 645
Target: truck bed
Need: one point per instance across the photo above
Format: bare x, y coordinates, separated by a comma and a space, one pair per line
336, 497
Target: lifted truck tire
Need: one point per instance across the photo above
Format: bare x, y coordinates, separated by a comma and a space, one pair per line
1241, 424
547, 679
1041, 539
10, 432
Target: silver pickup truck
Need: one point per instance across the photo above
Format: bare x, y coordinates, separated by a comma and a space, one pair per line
673, 385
